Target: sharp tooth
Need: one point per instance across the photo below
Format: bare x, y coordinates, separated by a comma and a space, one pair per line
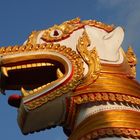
59, 73
35, 90
34, 65
31, 92
13, 68
39, 88
43, 64
29, 65
24, 92
49, 64
39, 64
47, 84
9, 68
43, 86
23, 66
18, 67
4, 71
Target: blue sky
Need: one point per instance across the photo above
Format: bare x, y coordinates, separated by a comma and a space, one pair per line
19, 17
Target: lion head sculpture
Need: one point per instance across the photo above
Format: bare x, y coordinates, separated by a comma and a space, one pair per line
75, 75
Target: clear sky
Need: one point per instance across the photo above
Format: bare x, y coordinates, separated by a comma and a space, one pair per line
19, 17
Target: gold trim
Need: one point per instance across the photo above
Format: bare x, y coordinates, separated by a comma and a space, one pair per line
74, 58
70, 85
114, 83
110, 132
91, 58
69, 27
113, 119
32, 39
100, 25
96, 97
132, 60
116, 97
62, 31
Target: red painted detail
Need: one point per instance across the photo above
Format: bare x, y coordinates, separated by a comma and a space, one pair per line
14, 100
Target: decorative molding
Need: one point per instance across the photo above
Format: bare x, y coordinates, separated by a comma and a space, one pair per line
66, 87
108, 123
91, 58
64, 30
75, 101
132, 60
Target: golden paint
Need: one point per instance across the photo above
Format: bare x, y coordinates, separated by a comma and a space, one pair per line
78, 67
69, 27
91, 58
33, 38
103, 82
110, 122
106, 96
132, 60
100, 25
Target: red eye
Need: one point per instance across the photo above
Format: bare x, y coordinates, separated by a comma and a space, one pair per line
56, 33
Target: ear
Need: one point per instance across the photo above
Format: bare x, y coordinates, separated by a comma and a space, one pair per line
115, 37
93, 31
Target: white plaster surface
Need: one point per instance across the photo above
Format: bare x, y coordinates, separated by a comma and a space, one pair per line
86, 111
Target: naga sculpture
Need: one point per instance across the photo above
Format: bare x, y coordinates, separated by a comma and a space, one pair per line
74, 75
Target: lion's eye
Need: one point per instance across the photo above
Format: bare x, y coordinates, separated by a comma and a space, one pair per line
56, 33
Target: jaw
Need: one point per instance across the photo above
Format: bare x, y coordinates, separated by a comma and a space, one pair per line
46, 69
36, 71
46, 76
31, 74
32, 77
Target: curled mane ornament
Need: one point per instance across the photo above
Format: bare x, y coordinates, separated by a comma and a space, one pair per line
74, 75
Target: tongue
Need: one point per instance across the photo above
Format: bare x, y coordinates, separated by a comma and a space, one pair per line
14, 100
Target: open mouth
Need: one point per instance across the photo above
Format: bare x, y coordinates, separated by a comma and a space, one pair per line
32, 76
42, 74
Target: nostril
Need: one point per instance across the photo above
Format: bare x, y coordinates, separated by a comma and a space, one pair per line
14, 100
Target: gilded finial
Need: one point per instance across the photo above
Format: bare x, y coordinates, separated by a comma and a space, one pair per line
132, 60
